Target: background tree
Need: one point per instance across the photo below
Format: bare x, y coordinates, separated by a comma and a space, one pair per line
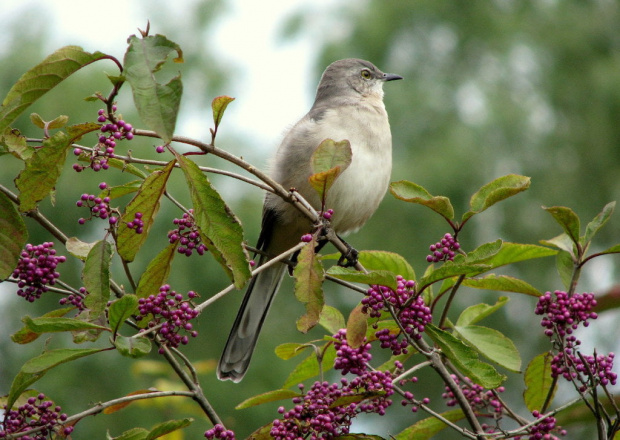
491, 88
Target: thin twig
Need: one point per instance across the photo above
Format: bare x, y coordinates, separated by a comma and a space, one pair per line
101, 406
410, 371
523, 429
439, 417
444, 313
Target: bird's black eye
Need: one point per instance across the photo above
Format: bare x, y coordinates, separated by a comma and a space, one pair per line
366, 74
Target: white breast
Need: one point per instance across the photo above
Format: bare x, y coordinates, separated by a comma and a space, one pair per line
360, 188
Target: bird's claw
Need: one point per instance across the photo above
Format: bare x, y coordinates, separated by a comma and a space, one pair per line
348, 259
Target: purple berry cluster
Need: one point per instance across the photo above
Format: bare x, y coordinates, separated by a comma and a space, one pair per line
568, 364
480, 399
562, 314
327, 215
443, 250
76, 300
35, 413
98, 207
219, 432
173, 312
187, 234
136, 224
36, 269
411, 310
349, 359
544, 428
315, 414
112, 132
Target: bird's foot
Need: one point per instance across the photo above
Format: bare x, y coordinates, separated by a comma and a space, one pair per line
348, 259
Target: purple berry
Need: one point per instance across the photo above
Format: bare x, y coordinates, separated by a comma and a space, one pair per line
443, 250
173, 312
36, 270
187, 235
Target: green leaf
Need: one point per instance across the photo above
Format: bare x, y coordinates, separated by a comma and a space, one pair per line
309, 367
157, 104
147, 202
78, 248
563, 242
491, 344
478, 312
16, 144
262, 433
25, 335
42, 78
13, 236
328, 161
96, 277
390, 261
331, 154
413, 193
133, 347
378, 277
43, 168
514, 252
58, 122
115, 192
122, 309
218, 106
270, 396
131, 434
58, 324
164, 428
598, 222
494, 192
156, 273
612, 250
502, 283
309, 276
449, 269
290, 350
35, 368
89, 335
565, 266
538, 382
53, 358
331, 319
20, 383
427, 428
357, 326
37, 120
220, 229
567, 219
126, 167
484, 252
465, 358
389, 324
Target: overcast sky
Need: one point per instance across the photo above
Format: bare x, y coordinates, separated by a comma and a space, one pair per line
251, 50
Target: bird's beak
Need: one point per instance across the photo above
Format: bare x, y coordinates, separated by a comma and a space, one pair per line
391, 77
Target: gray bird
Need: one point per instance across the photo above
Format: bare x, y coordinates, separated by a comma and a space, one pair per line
348, 105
